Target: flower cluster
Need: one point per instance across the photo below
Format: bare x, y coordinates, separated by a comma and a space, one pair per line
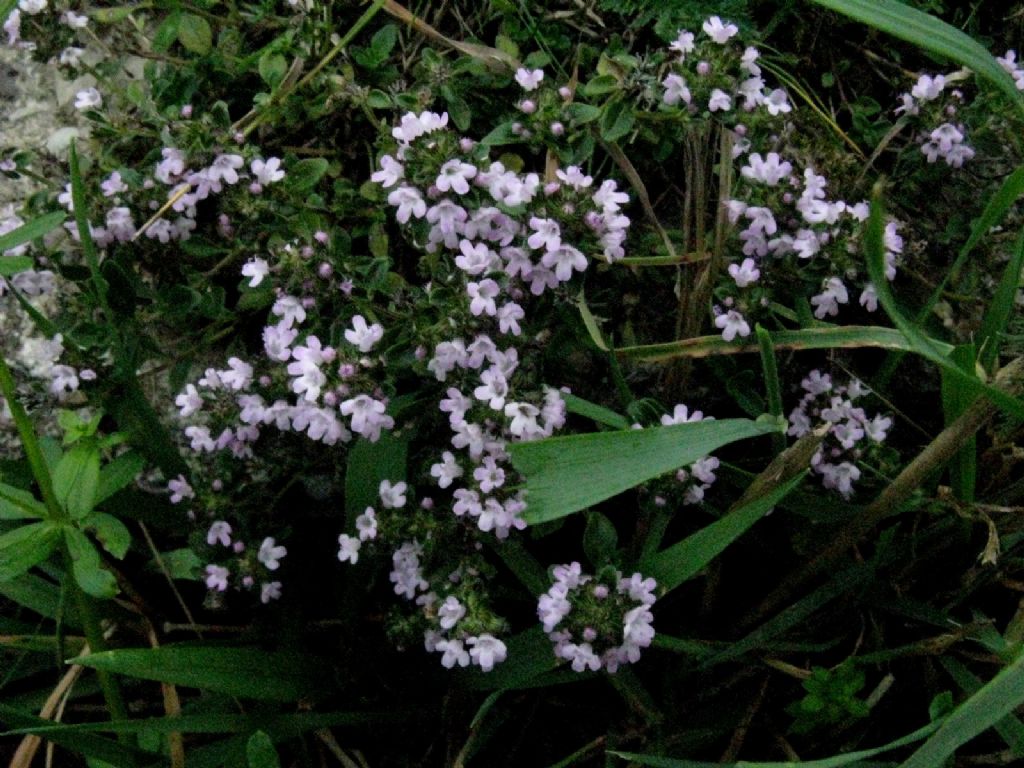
714, 74
508, 237
792, 232
929, 104
599, 621
171, 181
234, 564
850, 430
699, 476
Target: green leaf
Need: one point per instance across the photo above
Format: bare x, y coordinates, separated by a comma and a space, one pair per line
383, 41
684, 560
600, 539
529, 654
272, 68
36, 594
836, 761
581, 114
829, 337
1001, 309
985, 709
87, 565
249, 673
194, 34
502, 134
182, 564
118, 475
795, 615
26, 546
305, 174
76, 479
921, 344
617, 121
134, 415
114, 15
88, 745
567, 474
12, 265
955, 400
931, 34
1009, 728
18, 504
260, 752
368, 464
166, 33
594, 412
600, 85
28, 232
280, 726
773, 389
110, 532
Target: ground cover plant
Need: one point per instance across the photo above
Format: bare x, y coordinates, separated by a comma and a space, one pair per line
515, 383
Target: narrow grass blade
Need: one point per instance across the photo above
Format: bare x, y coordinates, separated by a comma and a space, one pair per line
92, 259
919, 342
795, 614
993, 702
1001, 309
773, 389
931, 34
567, 474
836, 761
1009, 728
595, 412
31, 230
128, 405
955, 400
527, 569
829, 337
995, 209
590, 323
86, 744
36, 594
684, 560
244, 672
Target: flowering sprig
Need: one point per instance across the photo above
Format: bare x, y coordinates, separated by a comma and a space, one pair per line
851, 432
714, 74
932, 111
793, 234
506, 236
597, 622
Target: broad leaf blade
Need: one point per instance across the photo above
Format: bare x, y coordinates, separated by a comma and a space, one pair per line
822, 337
567, 474
931, 34
684, 560
986, 708
76, 478
30, 231
87, 565
26, 546
1001, 308
249, 673
368, 464
919, 342
18, 504
118, 475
